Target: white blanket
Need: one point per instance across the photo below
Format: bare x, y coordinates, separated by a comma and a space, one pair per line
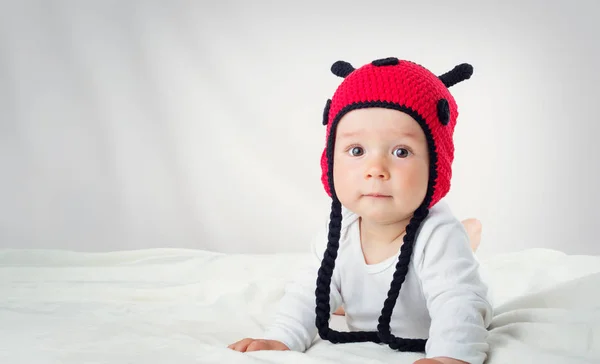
185, 306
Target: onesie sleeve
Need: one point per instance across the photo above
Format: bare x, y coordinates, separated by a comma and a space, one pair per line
294, 322
456, 296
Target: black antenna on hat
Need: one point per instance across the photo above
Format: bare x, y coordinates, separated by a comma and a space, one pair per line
341, 68
457, 74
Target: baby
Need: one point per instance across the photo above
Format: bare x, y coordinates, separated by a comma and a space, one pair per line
392, 255
473, 228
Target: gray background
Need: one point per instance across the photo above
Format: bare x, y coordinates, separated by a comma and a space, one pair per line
130, 125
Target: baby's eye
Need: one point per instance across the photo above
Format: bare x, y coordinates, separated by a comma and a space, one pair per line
356, 151
401, 152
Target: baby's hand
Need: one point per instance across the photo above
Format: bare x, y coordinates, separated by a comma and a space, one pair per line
250, 344
443, 360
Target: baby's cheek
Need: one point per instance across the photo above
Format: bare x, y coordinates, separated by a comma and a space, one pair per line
342, 173
412, 179
346, 186
343, 187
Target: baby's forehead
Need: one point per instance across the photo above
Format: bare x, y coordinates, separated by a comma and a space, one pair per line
371, 121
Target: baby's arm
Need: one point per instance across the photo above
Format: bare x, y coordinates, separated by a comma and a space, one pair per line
440, 361
456, 298
293, 325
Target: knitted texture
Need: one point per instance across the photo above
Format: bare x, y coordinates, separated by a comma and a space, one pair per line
412, 89
405, 84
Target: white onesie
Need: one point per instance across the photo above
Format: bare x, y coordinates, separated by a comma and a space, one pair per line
443, 298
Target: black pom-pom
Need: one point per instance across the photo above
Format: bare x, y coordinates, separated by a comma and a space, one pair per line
326, 112
457, 74
390, 61
342, 69
443, 111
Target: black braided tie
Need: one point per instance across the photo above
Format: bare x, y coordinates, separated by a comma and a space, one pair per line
323, 290
325, 273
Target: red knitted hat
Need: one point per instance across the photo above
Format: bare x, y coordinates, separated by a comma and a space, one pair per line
412, 89
407, 87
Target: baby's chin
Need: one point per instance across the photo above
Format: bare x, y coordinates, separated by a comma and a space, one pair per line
382, 215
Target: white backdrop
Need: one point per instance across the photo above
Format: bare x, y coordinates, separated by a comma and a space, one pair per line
128, 125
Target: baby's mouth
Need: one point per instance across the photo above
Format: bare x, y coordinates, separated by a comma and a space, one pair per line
377, 195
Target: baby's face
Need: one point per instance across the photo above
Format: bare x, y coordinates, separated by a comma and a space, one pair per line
380, 164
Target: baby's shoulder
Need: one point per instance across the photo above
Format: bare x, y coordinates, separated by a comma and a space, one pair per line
348, 227
439, 227
440, 214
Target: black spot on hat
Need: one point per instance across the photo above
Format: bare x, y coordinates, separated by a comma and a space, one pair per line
326, 112
443, 111
390, 61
